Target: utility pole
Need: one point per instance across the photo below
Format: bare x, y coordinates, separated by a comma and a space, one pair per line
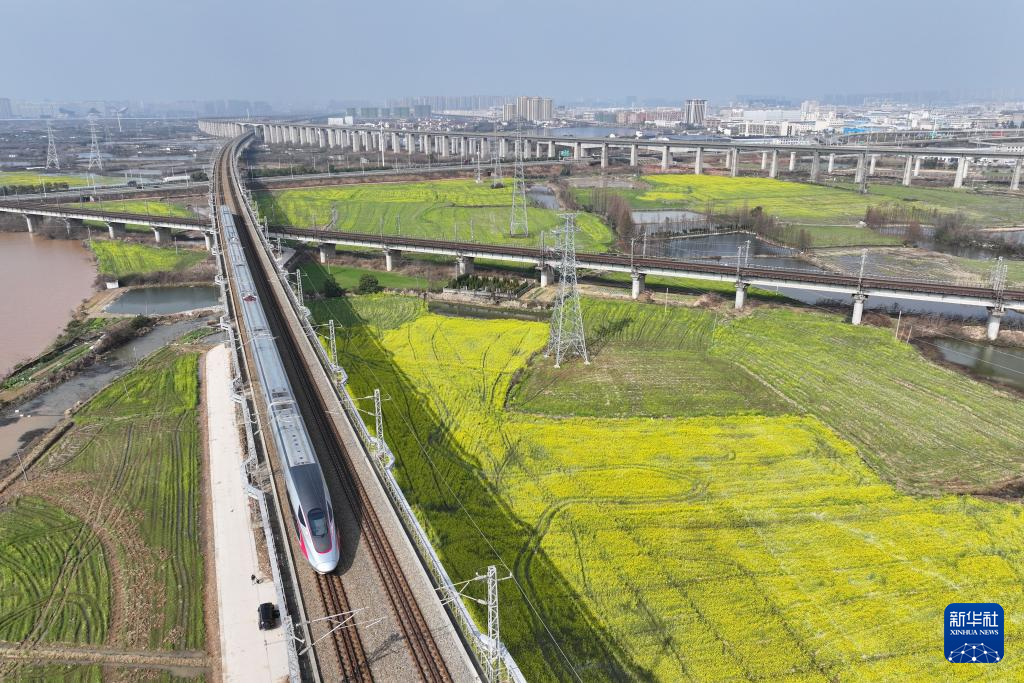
333, 342
493, 625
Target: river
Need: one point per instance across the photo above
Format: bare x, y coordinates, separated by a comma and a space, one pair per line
43, 281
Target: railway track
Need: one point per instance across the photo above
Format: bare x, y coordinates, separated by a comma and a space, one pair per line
346, 645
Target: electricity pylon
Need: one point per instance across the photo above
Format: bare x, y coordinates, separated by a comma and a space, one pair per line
566, 336
999, 280
94, 146
52, 160
518, 224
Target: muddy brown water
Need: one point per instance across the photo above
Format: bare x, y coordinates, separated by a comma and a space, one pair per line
42, 282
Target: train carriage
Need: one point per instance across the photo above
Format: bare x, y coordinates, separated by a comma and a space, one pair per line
304, 479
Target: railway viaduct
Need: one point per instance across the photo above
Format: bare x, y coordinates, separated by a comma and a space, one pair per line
770, 155
465, 253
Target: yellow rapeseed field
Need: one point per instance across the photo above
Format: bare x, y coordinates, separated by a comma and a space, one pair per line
716, 548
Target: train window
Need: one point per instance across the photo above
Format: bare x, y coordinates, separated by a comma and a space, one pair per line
302, 520
317, 522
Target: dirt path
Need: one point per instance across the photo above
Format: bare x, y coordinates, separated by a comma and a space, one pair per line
83, 654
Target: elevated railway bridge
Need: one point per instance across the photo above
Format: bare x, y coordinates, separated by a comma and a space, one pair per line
996, 301
773, 153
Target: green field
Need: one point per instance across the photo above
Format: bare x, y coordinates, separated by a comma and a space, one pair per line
838, 236
919, 263
814, 205
31, 178
442, 209
130, 466
119, 259
743, 523
94, 673
146, 451
347, 277
54, 579
152, 207
659, 364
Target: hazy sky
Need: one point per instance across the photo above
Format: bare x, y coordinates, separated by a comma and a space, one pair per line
306, 50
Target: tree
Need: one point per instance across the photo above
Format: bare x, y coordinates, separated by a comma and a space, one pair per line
368, 284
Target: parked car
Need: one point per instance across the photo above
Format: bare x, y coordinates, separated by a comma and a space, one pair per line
268, 614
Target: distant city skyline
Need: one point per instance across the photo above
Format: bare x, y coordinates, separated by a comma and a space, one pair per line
307, 51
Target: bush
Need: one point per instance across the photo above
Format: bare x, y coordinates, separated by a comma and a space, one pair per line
368, 284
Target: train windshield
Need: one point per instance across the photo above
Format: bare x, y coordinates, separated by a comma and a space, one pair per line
317, 522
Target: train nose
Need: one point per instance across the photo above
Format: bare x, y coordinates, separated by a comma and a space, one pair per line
325, 566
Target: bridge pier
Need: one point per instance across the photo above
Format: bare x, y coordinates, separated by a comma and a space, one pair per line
961, 171
30, 222
551, 149
547, 275
741, 294
604, 155
633, 154
773, 171
815, 166
734, 163
389, 258
917, 166
995, 319
208, 240
858, 308
327, 250
162, 235
871, 164
666, 157
464, 265
115, 229
831, 162
698, 161
764, 160
577, 151
639, 284
908, 170
861, 175
1015, 181
792, 161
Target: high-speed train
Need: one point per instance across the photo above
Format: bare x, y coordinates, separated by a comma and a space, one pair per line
307, 491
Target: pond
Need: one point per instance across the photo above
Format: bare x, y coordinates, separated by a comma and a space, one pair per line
1004, 365
724, 248
165, 300
543, 196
